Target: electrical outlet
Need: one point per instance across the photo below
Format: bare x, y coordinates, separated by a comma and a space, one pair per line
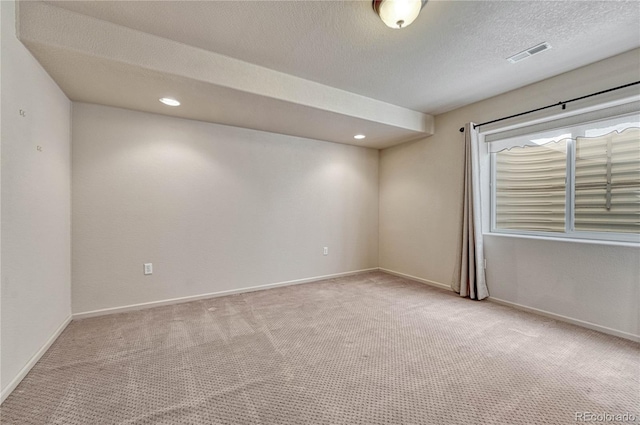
148, 268
326, 250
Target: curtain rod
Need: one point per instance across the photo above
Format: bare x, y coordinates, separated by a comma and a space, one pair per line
563, 104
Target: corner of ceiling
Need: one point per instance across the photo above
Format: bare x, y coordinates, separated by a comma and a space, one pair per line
83, 54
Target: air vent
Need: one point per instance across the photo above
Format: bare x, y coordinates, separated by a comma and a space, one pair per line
529, 52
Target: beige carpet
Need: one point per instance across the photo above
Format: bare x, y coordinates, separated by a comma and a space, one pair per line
365, 349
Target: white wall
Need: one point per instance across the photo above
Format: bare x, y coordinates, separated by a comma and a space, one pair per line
214, 208
35, 292
420, 198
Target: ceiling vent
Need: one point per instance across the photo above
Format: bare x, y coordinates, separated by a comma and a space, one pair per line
529, 52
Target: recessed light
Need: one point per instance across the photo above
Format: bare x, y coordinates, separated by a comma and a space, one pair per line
359, 136
169, 101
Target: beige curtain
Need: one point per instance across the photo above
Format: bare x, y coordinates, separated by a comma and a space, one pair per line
470, 278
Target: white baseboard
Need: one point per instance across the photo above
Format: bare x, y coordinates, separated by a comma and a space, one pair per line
544, 313
566, 319
418, 279
33, 360
141, 306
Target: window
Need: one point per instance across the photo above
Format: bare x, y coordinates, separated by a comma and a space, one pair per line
581, 181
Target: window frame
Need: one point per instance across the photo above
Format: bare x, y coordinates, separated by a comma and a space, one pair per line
569, 232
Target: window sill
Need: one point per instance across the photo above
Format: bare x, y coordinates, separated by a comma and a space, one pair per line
565, 239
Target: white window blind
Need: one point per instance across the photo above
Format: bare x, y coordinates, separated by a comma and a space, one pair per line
566, 122
607, 182
578, 181
531, 187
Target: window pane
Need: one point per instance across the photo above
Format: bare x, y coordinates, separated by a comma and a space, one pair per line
607, 193
531, 187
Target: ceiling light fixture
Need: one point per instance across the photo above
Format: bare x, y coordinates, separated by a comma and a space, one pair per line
169, 101
398, 14
359, 136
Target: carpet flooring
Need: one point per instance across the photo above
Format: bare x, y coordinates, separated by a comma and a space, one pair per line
364, 349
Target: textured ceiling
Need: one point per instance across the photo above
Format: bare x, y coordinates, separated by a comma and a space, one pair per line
452, 55
100, 62
318, 69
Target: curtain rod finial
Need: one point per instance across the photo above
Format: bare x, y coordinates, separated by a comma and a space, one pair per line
461, 129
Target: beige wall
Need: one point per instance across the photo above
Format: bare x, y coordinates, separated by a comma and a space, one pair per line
214, 208
36, 204
420, 198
